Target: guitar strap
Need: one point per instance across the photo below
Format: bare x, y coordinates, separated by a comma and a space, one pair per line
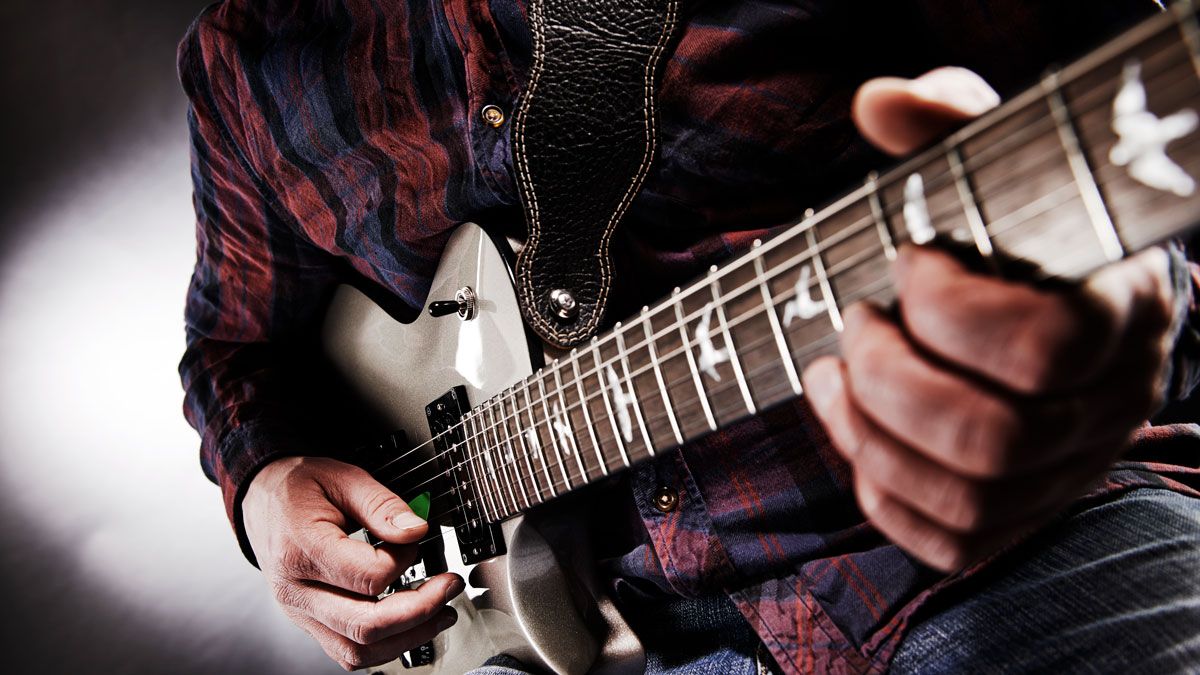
584, 138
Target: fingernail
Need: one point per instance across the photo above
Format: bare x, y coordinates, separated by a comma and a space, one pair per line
447, 620
958, 88
407, 521
453, 590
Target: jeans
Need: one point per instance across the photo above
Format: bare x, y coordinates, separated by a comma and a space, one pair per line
1114, 588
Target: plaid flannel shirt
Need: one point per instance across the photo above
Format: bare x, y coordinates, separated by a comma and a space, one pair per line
345, 137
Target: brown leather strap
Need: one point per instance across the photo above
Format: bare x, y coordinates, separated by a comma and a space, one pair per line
584, 140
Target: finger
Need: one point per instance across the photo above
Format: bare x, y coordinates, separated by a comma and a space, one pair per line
353, 656
937, 547
959, 503
956, 422
375, 507
365, 621
326, 554
1027, 340
899, 116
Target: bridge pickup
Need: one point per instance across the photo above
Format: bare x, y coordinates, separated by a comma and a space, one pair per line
478, 540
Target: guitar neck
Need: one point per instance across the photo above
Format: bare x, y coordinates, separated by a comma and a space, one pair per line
1093, 164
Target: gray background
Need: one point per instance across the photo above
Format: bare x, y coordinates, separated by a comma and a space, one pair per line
116, 556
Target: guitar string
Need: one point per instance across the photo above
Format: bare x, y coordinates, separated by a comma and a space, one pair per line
775, 272
630, 377
486, 428
564, 465
942, 178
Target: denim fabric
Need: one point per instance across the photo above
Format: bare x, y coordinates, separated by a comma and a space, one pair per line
682, 636
1114, 588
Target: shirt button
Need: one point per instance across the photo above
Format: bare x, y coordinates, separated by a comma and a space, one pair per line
666, 499
493, 115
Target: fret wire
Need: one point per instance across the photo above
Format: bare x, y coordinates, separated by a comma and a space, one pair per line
776, 330
733, 355
1089, 192
512, 473
691, 360
475, 499
493, 467
566, 415
490, 510
483, 500
530, 453
966, 195
637, 402
550, 431
532, 475
1185, 15
658, 377
612, 418
1140, 34
677, 308
835, 315
508, 470
531, 435
587, 415
881, 226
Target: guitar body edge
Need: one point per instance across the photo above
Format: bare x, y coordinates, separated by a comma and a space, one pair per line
526, 603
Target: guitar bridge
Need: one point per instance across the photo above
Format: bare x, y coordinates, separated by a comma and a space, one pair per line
478, 539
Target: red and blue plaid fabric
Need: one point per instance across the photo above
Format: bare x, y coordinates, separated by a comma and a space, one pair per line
344, 137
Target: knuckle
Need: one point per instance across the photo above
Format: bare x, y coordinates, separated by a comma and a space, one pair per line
983, 433
365, 627
289, 594
372, 579
966, 507
354, 657
296, 562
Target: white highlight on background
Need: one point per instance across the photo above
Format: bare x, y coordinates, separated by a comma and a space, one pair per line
916, 211
564, 431
621, 401
710, 356
1144, 136
803, 305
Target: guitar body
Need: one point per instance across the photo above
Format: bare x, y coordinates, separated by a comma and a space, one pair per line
539, 602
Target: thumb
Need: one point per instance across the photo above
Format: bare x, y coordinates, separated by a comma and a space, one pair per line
899, 116
375, 507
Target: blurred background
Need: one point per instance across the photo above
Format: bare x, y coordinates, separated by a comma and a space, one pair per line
116, 556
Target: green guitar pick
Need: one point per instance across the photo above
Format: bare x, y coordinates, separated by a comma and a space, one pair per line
420, 505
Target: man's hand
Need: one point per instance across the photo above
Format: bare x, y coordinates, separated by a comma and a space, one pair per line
986, 406
297, 512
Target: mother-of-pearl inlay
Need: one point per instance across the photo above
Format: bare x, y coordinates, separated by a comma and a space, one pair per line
916, 211
710, 356
1143, 137
565, 438
802, 306
621, 400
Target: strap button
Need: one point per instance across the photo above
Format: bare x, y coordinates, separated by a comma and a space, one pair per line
493, 115
666, 499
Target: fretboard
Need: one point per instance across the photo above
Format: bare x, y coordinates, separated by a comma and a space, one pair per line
1091, 165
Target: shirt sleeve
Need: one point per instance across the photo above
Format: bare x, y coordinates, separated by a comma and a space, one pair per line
256, 294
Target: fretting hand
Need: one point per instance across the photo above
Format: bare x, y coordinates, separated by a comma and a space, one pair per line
986, 406
297, 512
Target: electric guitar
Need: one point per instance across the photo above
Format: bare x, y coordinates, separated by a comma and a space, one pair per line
1095, 163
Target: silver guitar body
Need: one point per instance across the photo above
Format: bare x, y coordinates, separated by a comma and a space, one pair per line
527, 604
